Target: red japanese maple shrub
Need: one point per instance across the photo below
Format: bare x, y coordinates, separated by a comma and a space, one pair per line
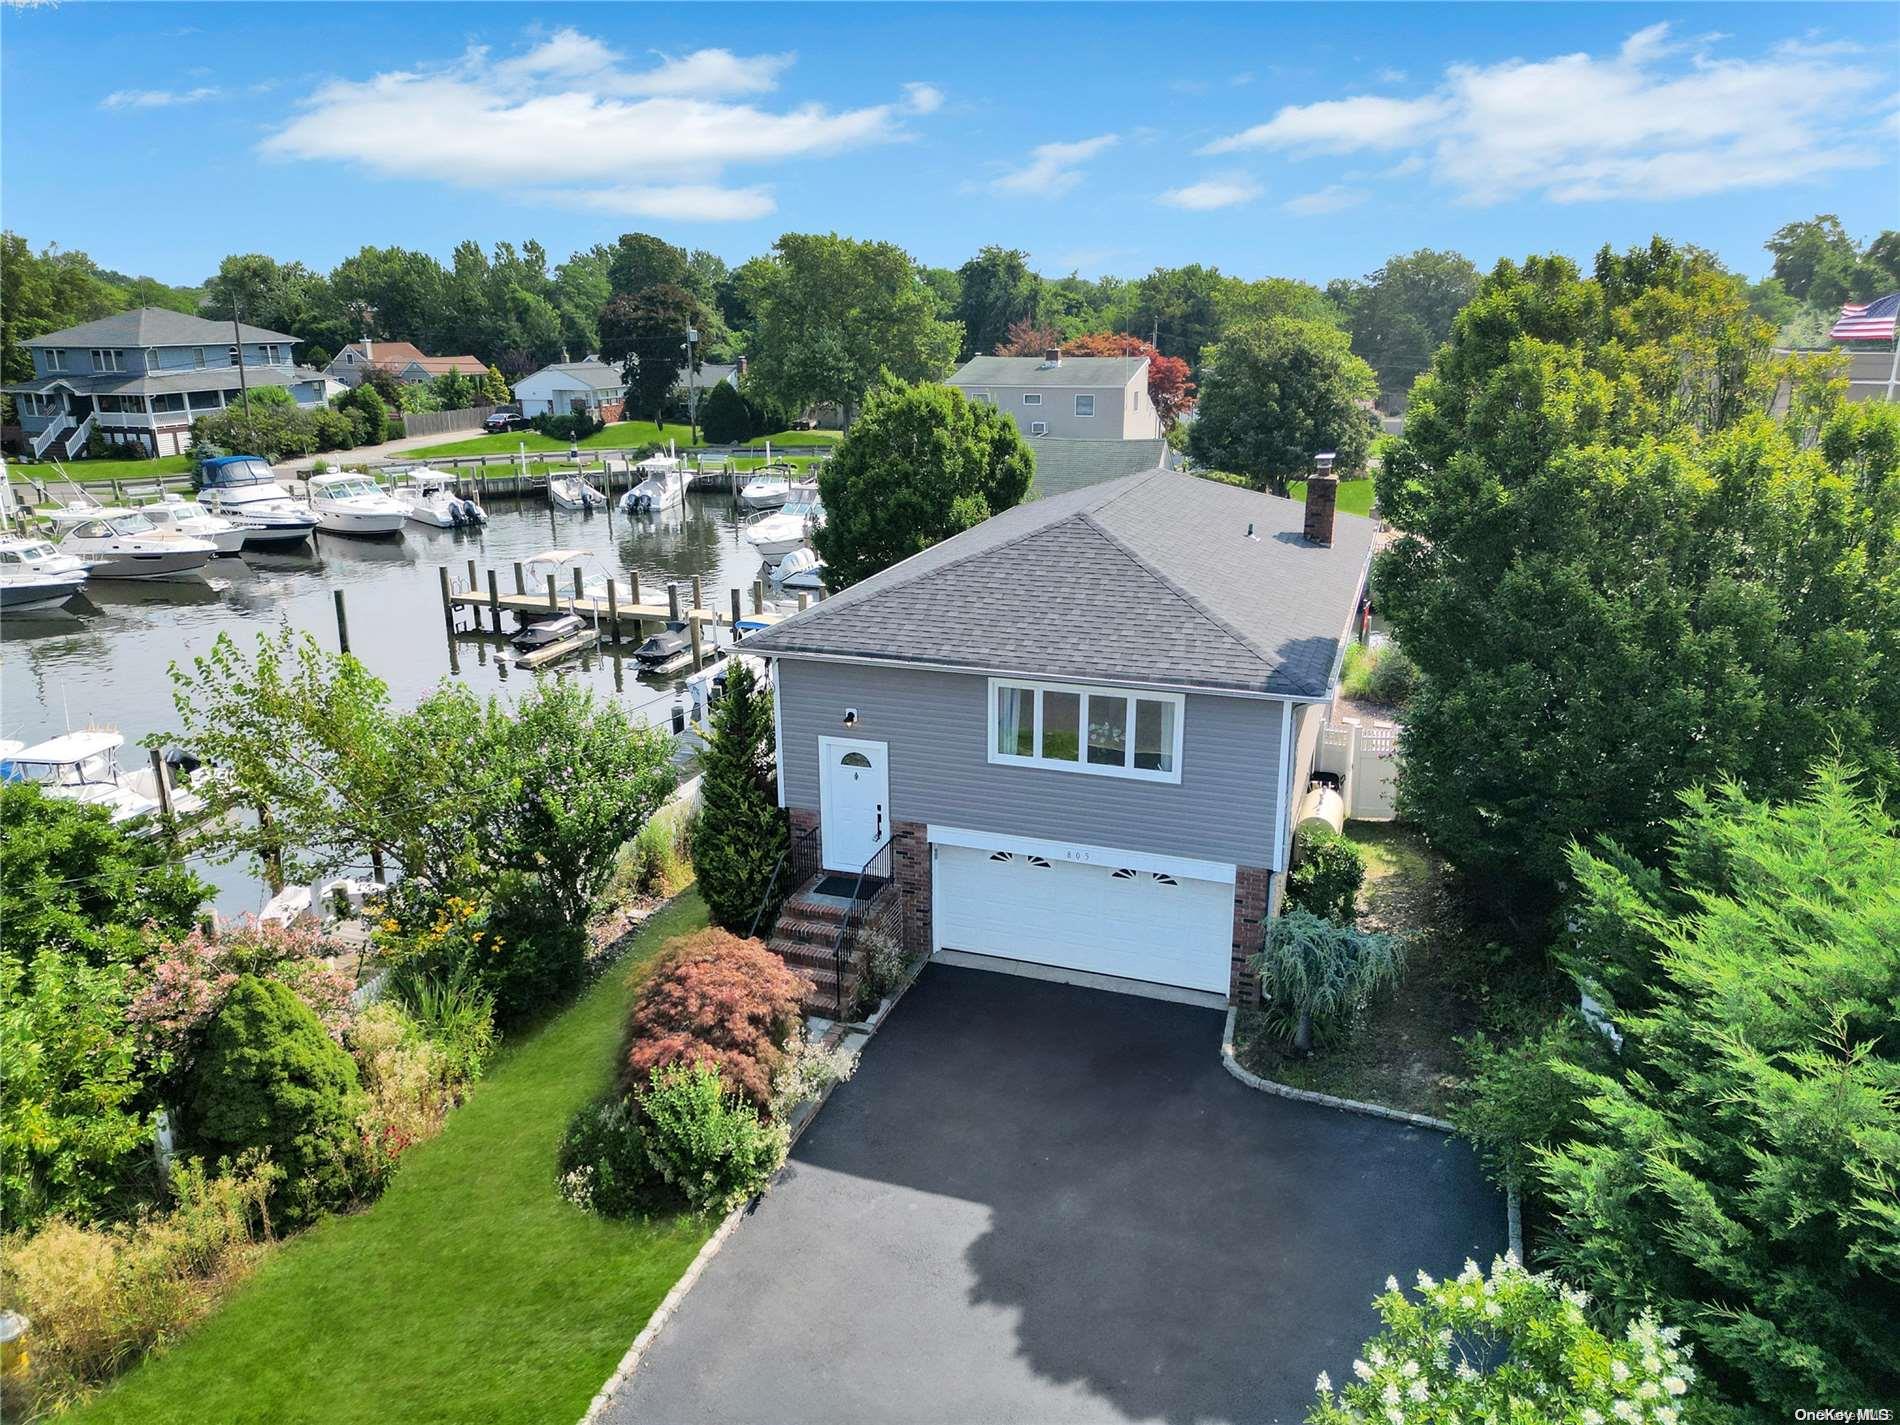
716, 998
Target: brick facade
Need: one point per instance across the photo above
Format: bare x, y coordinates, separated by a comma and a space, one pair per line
910, 868
1251, 888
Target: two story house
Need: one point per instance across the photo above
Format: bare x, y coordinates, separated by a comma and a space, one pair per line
402, 359
1089, 417
144, 375
1072, 740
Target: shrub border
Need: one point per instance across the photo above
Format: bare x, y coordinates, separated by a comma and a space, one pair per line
1513, 1223
841, 1032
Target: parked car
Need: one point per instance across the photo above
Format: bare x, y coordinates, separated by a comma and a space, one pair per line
501, 422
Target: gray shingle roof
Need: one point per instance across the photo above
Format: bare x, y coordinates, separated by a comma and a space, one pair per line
597, 374
211, 378
1149, 578
1063, 465
153, 326
1032, 371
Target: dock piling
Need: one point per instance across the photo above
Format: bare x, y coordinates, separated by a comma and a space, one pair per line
758, 596
673, 600
699, 650
471, 576
698, 602
580, 589
554, 597
613, 616
735, 607
448, 606
494, 602
521, 584
342, 625
804, 601
633, 578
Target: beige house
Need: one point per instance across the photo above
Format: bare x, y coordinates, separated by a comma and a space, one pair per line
1066, 398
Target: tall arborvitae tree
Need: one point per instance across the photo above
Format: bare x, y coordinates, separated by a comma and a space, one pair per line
741, 833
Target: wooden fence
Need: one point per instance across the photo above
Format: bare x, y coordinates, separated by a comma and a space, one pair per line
443, 422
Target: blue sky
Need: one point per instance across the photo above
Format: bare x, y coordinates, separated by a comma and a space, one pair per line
1298, 141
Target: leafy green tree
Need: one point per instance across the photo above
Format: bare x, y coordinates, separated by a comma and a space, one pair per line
1616, 578
645, 332
921, 464
1734, 1164
575, 777
1402, 313
995, 289
639, 261
369, 413
408, 290
741, 834
1274, 394
270, 1079
1318, 974
495, 388
45, 292
1328, 871
73, 1137
1237, 300
724, 417
831, 313
71, 880
1513, 1348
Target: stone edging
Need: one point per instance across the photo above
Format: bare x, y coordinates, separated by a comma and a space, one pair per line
663, 1313
1231, 1063
1513, 1216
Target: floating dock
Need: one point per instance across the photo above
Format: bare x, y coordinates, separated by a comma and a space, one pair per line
554, 652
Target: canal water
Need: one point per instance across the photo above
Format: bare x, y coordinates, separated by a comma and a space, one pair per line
105, 658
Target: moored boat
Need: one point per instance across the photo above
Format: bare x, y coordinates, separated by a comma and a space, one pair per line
244, 490
349, 503
123, 544
428, 498
34, 575
572, 492
189, 518
777, 535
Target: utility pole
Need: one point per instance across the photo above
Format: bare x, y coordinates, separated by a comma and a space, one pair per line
692, 384
244, 386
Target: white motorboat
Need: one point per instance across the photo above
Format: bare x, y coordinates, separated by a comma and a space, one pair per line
188, 517
772, 486
83, 767
350, 503
662, 485
34, 575
777, 535
123, 544
572, 492
801, 569
244, 490
315, 902
428, 497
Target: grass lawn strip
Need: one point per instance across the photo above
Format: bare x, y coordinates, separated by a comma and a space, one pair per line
614, 437
1403, 1053
470, 1290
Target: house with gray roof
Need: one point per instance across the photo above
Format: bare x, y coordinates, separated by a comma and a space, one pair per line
557, 389
1070, 741
1066, 397
143, 376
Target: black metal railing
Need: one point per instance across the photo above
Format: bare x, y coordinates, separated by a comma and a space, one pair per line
788, 856
844, 929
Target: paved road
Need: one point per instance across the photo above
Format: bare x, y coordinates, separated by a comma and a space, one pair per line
1038, 1203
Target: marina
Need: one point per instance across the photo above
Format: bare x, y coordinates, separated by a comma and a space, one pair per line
102, 657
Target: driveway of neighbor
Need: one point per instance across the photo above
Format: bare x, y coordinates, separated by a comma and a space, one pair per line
1039, 1203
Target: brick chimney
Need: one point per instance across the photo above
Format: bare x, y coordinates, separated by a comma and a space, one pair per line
1322, 500
1052, 356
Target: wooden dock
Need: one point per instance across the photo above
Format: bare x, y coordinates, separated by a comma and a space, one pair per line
554, 652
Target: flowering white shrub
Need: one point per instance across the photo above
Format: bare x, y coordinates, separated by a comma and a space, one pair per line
1511, 1346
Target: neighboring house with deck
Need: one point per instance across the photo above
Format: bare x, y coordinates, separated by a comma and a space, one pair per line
1071, 740
555, 390
144, 376
403, 360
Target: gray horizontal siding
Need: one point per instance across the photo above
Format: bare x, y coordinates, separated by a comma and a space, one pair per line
935, 725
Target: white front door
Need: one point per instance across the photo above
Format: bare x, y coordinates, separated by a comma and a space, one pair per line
854, 797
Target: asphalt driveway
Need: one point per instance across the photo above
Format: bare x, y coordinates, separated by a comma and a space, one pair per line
1038, 1203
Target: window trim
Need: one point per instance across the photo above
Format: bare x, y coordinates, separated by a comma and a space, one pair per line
55, 358
1032, 398
1080, 397
1082, 764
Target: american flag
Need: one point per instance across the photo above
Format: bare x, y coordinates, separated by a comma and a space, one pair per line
1870, 321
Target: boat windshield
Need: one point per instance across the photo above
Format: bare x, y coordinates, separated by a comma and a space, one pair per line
185, 510
345, 489
27, 553
133, 523
239, 472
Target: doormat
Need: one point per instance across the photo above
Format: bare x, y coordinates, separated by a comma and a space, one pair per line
840, 886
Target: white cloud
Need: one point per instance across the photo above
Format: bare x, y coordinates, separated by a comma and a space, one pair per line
1658, 119
1413, 163
1333, 198
156, 98
1053, 168
570, 121
1212, 193
1338, 126
923, 98
1391, 76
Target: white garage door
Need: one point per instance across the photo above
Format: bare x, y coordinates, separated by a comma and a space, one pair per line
1105, 919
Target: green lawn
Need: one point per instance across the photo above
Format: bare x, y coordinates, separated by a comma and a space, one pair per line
470, 1291
101, 472
620, 435
1355, 496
